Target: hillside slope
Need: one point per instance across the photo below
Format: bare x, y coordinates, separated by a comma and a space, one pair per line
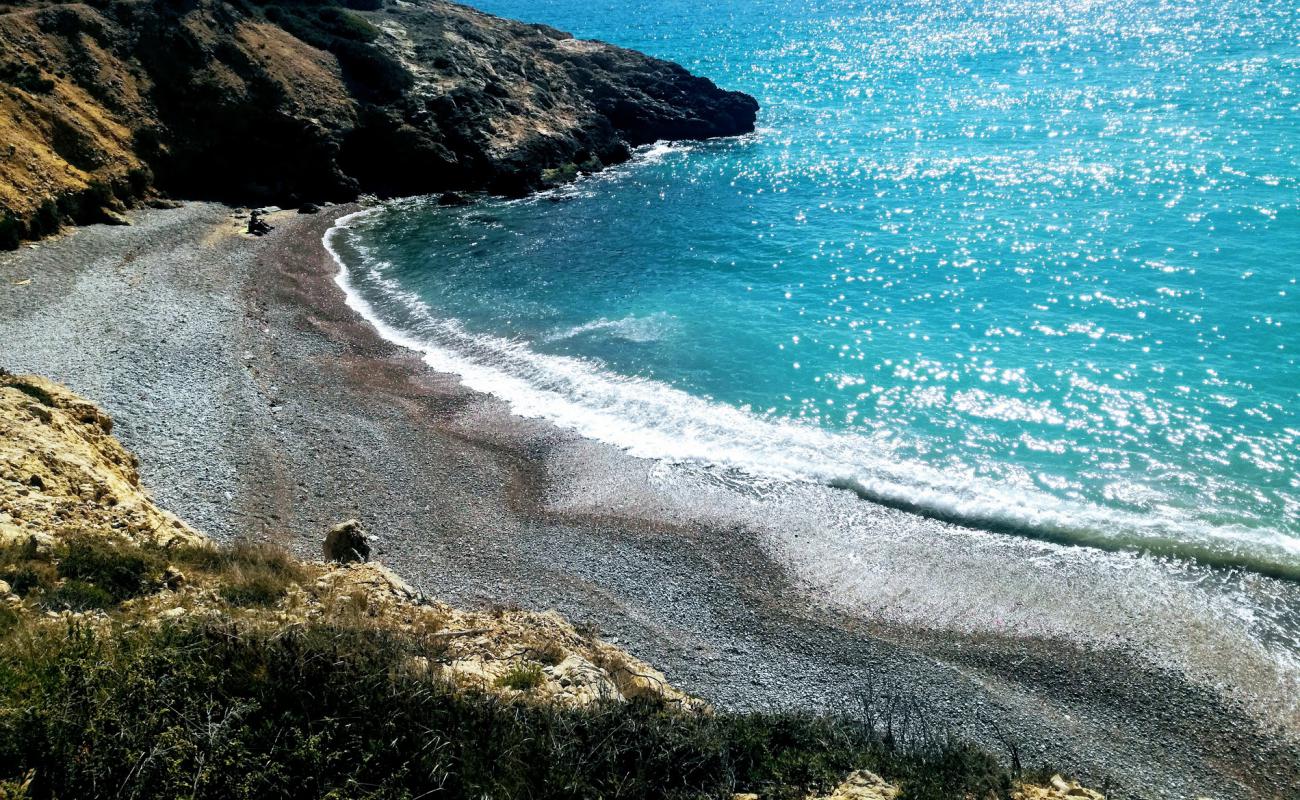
68, 486
136, 654
288, 101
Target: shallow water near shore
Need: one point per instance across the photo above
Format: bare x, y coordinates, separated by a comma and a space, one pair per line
1024, 267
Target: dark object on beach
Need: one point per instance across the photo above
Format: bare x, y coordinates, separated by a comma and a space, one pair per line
308, 208
452, 199
346, 542
256, 225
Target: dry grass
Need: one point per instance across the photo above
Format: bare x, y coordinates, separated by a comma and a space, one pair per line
56, 140
248, 573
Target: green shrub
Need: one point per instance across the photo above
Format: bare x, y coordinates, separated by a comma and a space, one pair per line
17, 789
27, 77
11, 232
78, 596
524, 677
30, 576
24, 567
121, 570
46, 220
138, 180
9, 620
368, 70
211, 710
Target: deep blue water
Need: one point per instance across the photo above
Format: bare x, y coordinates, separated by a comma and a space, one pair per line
1029, 265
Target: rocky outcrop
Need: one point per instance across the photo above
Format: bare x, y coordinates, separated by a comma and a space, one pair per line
104, 105
1057, 788
66, 482
863, 785
346, 543
62, 471
866, 785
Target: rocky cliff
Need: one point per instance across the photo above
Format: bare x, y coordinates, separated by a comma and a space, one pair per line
107, 103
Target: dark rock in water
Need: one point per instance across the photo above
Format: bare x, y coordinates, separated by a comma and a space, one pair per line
289, 103
346, 542
452, 199
308, 208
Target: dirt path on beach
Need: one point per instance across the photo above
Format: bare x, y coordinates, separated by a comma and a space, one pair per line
260, 404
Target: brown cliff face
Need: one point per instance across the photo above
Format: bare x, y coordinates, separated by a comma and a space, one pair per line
287, 101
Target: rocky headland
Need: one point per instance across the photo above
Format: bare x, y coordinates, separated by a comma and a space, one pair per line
108, 104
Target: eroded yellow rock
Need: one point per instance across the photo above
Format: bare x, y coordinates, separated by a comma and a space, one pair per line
1058, 788
863, 785
61, 469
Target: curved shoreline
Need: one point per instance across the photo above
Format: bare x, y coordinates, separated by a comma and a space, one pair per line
1166, 618
234, 365
655, 514
626, 413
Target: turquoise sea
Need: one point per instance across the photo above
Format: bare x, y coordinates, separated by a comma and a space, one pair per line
1030, 266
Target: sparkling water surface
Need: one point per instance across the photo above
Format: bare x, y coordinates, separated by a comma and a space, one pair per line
1026, 265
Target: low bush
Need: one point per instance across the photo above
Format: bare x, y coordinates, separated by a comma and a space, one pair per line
523, 677
9, 620
120, 570
250, 573
199, 708
211, 710
11, 232
29, 577
35, 392
76, 595
45, 220
548, 652
27, 77
240, 556
369, 71
254, 590
26, 569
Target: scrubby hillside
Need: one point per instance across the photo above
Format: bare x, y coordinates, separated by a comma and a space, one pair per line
139, 659
252, 101
79, 537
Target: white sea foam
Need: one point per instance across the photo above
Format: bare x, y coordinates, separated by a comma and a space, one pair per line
652, 420
650, 328
915, 572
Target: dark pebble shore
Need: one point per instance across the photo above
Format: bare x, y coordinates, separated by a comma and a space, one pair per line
259, 404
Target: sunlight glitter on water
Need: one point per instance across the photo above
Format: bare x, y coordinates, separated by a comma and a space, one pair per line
1025, 265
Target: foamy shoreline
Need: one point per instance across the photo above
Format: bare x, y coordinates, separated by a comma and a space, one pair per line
234, 365
989, 577
653, 420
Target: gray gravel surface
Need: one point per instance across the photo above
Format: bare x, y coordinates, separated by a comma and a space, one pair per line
261, 406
